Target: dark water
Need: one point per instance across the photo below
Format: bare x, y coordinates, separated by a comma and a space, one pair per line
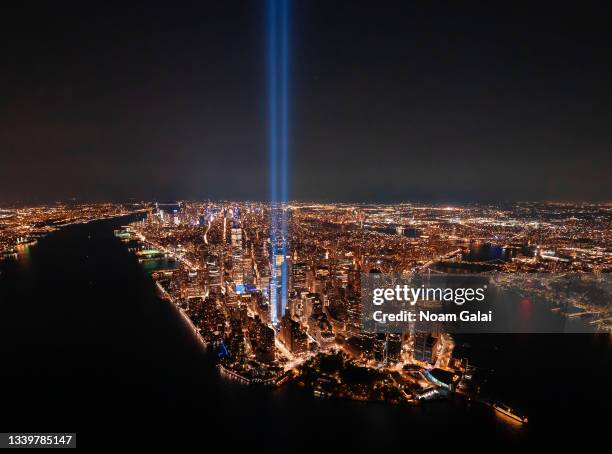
87, 346
485, 252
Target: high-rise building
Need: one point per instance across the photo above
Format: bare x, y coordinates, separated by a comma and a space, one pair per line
237, 262
292, 335
262, 340
394, 347
279, 291
424, 347
298, 275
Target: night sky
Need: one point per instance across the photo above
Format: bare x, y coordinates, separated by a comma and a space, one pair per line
389, 101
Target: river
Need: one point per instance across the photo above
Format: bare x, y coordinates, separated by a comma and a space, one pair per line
88, 347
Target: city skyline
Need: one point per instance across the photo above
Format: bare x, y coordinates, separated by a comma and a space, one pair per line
323, 224
275, 315
169, 308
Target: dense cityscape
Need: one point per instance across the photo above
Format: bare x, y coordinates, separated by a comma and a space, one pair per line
324, 225
274, 315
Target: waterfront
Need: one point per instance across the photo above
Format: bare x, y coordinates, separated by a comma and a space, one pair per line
89, 347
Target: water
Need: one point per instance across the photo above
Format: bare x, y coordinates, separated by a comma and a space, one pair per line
485, 252
87, 346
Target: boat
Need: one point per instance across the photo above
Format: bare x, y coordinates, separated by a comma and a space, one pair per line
506, 410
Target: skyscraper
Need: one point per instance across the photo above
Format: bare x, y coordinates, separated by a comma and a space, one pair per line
237, 262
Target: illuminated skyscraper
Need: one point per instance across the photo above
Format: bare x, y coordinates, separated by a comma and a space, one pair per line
237, 262
298, 275
278, 283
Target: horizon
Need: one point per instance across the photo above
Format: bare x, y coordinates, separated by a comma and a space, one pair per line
449, 203
324, 224
398, 102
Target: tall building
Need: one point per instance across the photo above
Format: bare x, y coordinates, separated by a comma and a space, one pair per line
292, 335
237, 242
298, 275
394, 347
424, 347
237, 262
279, 290
387, 348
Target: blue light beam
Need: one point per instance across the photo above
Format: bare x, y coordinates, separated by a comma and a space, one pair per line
278, 12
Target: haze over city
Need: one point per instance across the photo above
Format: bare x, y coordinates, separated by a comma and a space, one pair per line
388, 102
